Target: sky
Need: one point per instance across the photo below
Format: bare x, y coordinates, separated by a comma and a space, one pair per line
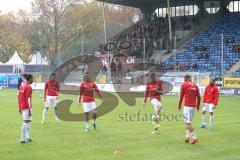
14, 5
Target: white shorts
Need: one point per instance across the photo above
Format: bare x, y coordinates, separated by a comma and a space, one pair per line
188, 114
51, 101
156, 104
208, 107
89, 107
25, 115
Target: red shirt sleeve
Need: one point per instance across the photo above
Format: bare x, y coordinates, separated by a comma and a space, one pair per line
161, 86
80, 93
29, 96
216, 96
19, 98
146, 93
198, 98
81, 90
45, 89
97, 90
58, 87
205, 95
182, 93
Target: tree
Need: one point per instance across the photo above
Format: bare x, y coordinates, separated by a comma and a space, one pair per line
119, 18
62, 22
11, 40
122, 14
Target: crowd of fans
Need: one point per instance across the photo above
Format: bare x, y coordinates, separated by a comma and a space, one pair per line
201, 52
150, 32
117, 64
175, 67
203, 55
232, 42
132, 41
132, 64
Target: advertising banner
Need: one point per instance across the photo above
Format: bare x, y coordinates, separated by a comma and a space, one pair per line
229, 91
219, 82
232, 82
3, 81
12, 81
101, 79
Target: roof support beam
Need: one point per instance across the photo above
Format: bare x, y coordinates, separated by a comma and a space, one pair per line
147, 12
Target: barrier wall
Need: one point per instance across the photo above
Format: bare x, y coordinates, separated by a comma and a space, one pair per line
141, 88
232, 82
230, 91
231, 86
9, 81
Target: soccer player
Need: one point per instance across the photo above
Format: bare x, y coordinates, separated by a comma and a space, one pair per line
51, 92
87, 89
190, 93
25, 108
210, 101
154, 90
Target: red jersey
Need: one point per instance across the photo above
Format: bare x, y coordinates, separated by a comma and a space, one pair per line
25, 96
211, 95
153, 90
190, 93
86, 91
51, 88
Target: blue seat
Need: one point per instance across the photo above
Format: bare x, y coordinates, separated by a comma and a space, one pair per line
230, 27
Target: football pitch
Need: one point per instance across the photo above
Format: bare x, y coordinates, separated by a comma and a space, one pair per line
125, 128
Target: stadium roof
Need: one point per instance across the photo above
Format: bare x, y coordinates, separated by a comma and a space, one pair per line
156, 3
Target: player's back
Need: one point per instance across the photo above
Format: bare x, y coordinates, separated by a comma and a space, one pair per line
24, 93
191, 92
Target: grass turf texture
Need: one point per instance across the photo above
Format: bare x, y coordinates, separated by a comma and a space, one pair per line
67, 140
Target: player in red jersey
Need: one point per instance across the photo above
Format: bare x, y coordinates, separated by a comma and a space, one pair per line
87, 89
154, 90
210, 101
190, 93
25, 108
51, 92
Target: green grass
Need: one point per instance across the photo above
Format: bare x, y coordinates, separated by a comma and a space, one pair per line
67, 141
